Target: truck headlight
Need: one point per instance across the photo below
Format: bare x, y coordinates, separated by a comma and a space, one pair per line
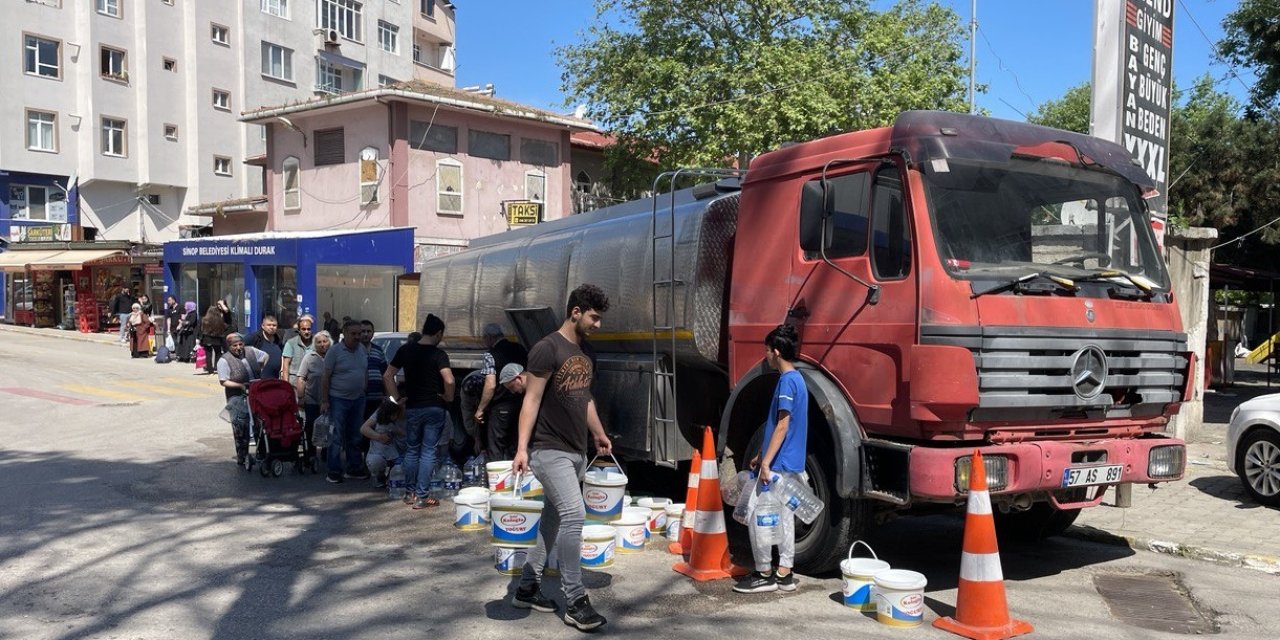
997, 472
1166, 462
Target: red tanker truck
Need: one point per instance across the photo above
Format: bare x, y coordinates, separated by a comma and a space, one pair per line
959, 283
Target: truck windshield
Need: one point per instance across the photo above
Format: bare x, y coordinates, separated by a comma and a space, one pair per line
1040, 215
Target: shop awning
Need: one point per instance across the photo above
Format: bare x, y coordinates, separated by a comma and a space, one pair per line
18, 260
66, 259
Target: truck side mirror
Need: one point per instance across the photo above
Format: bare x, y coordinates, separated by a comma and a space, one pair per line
816, 205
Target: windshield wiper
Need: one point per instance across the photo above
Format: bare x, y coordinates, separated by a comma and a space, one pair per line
1023, 284
1142, 285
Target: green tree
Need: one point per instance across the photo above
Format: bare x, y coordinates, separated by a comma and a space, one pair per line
1070, 112
700, 82
1252, 40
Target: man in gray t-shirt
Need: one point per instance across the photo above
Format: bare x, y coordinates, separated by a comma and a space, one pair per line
342, 389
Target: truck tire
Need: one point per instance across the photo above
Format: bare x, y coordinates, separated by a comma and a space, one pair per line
822, 545
1037, 523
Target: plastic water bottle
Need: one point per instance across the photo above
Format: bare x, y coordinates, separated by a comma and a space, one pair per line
436, 488
469, 472
742, 508
797, 497
452, 480
395, 482
764, 521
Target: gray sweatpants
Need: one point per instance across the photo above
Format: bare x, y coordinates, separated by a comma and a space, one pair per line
787, 530
560, 473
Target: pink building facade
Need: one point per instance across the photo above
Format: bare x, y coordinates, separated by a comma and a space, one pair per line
449, 163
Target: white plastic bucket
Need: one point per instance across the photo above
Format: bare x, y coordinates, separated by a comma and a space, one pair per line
859, 578
630, 529
657, 513
675, 514
514, 520
474, 491
528, 486
899, 597
598, 542
641, 513
471, 511
509, 561
602, 491
500, 477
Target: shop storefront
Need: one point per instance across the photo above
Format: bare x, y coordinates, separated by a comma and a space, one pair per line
68, 285
343, 273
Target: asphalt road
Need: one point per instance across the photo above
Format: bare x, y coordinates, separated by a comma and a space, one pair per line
123, 516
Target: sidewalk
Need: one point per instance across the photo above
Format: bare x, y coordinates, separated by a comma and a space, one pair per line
100, 338
1207, 515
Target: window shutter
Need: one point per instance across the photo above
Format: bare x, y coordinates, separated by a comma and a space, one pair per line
330, 147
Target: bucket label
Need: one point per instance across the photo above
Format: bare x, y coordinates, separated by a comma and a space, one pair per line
597, 555
658, 521
514, 520
595, 497
857, 594
634, 538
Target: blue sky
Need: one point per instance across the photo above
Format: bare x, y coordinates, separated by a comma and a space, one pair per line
1033, 50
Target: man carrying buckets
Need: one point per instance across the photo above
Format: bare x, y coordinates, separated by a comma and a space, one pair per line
556, 420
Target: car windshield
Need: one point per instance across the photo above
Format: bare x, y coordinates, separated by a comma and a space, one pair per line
1036, 215
389, 344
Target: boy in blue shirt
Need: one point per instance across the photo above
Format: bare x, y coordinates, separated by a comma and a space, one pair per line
785, 435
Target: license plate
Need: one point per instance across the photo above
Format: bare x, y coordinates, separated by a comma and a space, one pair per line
1085, 476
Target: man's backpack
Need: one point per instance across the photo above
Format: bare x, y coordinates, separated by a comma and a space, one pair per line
162, 355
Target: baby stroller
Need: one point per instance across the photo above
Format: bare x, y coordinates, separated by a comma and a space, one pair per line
275, 432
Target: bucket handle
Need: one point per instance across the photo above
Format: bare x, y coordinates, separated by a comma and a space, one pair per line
516, 484
869, 549
611, 456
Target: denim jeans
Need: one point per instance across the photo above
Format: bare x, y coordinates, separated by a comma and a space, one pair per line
423, 428
560, 473
345, 416
124, 326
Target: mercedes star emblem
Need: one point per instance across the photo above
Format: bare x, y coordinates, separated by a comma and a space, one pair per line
1089, 372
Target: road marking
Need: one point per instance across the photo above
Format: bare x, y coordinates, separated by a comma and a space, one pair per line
105, 393
181, 393
53, 397
209, 382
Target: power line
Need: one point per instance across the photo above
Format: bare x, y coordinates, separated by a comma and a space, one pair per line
1245, 235
1016, 81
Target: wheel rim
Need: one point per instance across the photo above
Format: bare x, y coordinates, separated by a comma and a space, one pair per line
1262, 468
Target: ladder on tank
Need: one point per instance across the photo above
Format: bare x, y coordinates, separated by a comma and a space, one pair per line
662, 296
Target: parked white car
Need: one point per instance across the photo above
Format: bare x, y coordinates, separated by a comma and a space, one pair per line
1253, 447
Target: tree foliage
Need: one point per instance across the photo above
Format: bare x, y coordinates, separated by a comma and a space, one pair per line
701, 82
1070, 112
1253, 40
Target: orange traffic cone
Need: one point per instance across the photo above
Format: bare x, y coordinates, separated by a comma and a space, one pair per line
709, 543
685, 543
981, 610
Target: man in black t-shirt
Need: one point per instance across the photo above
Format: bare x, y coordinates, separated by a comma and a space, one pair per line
556, 421
428, 385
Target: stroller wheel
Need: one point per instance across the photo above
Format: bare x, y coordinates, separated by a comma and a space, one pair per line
277, 468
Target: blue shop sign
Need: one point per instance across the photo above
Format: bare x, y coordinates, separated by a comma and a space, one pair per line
252, 252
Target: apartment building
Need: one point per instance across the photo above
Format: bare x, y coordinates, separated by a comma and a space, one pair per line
138, 101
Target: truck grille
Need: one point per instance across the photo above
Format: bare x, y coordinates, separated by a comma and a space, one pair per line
1039, 373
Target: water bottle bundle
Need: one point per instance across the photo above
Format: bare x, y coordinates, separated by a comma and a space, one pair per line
786, 491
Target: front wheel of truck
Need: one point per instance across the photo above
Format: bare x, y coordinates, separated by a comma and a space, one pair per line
820, 546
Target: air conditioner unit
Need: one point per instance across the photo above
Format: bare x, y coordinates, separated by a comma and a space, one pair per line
331, 37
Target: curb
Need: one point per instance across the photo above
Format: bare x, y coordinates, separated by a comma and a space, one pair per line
1264, 563
59, 334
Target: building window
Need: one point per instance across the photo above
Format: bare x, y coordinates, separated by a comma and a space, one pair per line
449, 187
330, 147
292, 189
583, 182
539, 153
428, 8
278, 8
170, 64
171, 132
42, 57
222, 165
113, 137
28, 202
535, 186
483, 144
328, 77
417, 53
388, 37
277, 62
109, 8
220, 34
368, 175
112, 64
433, 137
344, 16
386, 81
221, 100
42, 131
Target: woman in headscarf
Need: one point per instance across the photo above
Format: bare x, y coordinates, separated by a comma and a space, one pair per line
307, 384
185, 334
140, 329
212, 331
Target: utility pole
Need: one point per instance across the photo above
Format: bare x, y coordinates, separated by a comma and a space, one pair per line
973, 52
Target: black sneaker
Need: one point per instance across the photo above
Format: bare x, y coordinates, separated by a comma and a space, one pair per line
582, 615
333, 479
787, 582
532, 599
359, 475
756, 582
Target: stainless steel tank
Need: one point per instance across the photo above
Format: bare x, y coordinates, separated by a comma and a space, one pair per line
612, 248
